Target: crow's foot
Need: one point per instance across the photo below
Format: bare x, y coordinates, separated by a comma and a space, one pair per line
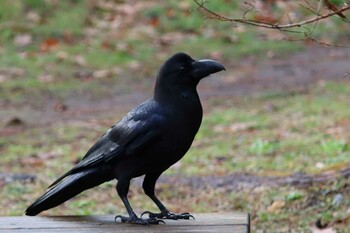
139, 221
168, 215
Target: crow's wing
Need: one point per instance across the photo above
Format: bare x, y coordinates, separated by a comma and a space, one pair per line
136, 130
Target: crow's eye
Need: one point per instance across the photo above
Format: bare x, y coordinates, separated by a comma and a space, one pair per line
182, 68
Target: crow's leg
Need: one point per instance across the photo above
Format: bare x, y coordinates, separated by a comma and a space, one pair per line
122, 189
148, 185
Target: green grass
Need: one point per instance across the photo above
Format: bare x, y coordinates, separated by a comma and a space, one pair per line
292, 137
106, 49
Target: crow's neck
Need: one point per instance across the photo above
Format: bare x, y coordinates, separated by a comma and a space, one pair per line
167, 93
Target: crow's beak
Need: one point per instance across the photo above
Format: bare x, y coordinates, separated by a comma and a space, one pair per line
205, 67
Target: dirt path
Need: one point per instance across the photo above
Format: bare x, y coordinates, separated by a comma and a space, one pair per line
251, 76
237, 181
295, 72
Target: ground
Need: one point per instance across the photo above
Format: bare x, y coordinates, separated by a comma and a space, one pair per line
274, 139
298, 74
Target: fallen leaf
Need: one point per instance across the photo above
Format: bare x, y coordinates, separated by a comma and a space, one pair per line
173, 37
184, 5
154, 21
79, 60
33, 17
276, 206
319, 165
10, 72
83, 75
16, 72
2, 78
236, 127
134, 65
61, 55
106, 45
14, 121
45, 78
60, 107
335, 130
170, 13
68, 38
47, 155
49, 44
22, 40
102, 73
32, 161
326, 230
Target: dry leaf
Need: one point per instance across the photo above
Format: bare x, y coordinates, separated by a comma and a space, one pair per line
45, 78
184, 5
47, 155
276, 206
49, 44
236, 127
172, 38
79, 60
14, 121
134, 65
326, 230
22, 40
61, 55
106, 45
9, 73
32, 161
33, 17
2, 78
102, 73
60, 107
154, 21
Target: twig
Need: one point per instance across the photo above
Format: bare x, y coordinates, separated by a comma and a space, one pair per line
282, 27
325, 43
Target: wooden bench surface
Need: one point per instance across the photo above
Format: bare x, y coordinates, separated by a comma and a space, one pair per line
229, 222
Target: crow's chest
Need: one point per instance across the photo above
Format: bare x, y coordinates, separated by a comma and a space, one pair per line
177, 138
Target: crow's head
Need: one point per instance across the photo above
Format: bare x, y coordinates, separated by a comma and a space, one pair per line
181, 70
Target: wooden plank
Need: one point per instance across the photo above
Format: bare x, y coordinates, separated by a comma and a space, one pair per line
230, 222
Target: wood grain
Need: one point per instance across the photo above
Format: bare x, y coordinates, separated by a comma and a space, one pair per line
229, 222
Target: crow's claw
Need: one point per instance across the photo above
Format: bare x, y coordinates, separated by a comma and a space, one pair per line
168, 215
121, 218
187, 216
147, 212
139, 221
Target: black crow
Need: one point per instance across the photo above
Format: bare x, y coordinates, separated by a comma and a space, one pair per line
147, 141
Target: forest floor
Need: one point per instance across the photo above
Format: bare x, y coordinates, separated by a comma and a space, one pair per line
275, 136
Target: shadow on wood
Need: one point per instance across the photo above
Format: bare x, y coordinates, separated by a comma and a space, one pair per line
229, 222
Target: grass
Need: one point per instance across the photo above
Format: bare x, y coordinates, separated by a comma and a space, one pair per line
294, 136
56, 29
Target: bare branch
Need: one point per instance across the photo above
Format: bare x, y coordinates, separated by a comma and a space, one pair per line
282, 27
334, 8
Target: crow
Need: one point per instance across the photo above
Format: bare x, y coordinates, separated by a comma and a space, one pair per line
146, 141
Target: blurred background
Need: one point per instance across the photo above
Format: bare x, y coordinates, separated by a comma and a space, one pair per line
275, 137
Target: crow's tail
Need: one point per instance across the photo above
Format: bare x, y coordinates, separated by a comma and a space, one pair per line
67, 188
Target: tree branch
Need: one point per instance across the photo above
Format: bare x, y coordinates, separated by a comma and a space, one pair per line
282, 27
